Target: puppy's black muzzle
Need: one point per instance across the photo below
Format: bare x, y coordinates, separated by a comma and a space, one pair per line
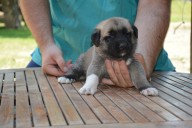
119, 49
123, 46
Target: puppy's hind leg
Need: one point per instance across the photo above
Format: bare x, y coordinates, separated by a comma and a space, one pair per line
74, 73
139, 79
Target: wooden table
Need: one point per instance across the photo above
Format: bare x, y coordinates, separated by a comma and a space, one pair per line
29, 98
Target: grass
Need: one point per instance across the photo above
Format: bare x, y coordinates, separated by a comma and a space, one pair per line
180, 10
17, 45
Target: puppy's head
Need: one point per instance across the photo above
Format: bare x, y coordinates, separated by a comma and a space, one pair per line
115, 38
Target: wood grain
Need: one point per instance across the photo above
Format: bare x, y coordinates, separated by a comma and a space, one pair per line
7, 101
67, 107
31, 99
23, 113
54, 112
39, 114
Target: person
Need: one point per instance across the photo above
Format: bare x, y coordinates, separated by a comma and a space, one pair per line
62, 30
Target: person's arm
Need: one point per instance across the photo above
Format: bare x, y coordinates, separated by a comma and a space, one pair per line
152, 22
37, 16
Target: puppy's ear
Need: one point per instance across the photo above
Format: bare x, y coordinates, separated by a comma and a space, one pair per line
95, 37
135, 31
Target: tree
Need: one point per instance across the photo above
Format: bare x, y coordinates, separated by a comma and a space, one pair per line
12, 14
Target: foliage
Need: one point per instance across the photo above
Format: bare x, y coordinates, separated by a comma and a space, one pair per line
12, 14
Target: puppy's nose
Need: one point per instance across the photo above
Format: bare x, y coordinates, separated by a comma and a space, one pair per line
122, 46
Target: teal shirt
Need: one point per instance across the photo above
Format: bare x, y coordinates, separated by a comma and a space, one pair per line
73, 22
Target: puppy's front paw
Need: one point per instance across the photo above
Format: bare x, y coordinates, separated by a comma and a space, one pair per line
90, 86
87, 90
65, 80
149, 91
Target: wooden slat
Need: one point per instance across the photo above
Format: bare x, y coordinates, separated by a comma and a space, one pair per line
171, 108
127, 108
187, 75
7, 101
82, 108
149, 109
23, 114
53, 109
153, 106
38, 109
176, 93
1, 81
31, 82
39, 101
1, 84
8, 84
7, 111
167, 84
144, 106
149, 114
180, 83
174, 101
115, 111
170, 79
67, 107
174, 74
103, 115
19, 70
20, 82
171, 124
182, 80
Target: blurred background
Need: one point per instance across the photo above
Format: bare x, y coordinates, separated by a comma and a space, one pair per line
17, 43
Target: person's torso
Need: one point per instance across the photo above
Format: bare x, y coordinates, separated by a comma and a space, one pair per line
74, 21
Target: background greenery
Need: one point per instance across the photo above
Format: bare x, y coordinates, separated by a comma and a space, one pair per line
16, 45
179, 9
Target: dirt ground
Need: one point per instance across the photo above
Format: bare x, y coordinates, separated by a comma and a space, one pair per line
177, 45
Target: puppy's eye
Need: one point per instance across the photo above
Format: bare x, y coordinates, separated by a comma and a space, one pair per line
108, 38
128, 34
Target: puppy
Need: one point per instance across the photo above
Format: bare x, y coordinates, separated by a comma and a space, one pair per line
113, 39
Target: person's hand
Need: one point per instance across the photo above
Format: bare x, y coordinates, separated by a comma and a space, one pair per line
53, 62
119, 73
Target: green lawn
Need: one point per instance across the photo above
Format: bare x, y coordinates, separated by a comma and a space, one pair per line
180, 9
17, 45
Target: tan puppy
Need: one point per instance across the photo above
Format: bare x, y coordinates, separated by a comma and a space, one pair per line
113, 39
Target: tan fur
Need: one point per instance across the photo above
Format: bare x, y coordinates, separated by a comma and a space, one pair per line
113, 23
